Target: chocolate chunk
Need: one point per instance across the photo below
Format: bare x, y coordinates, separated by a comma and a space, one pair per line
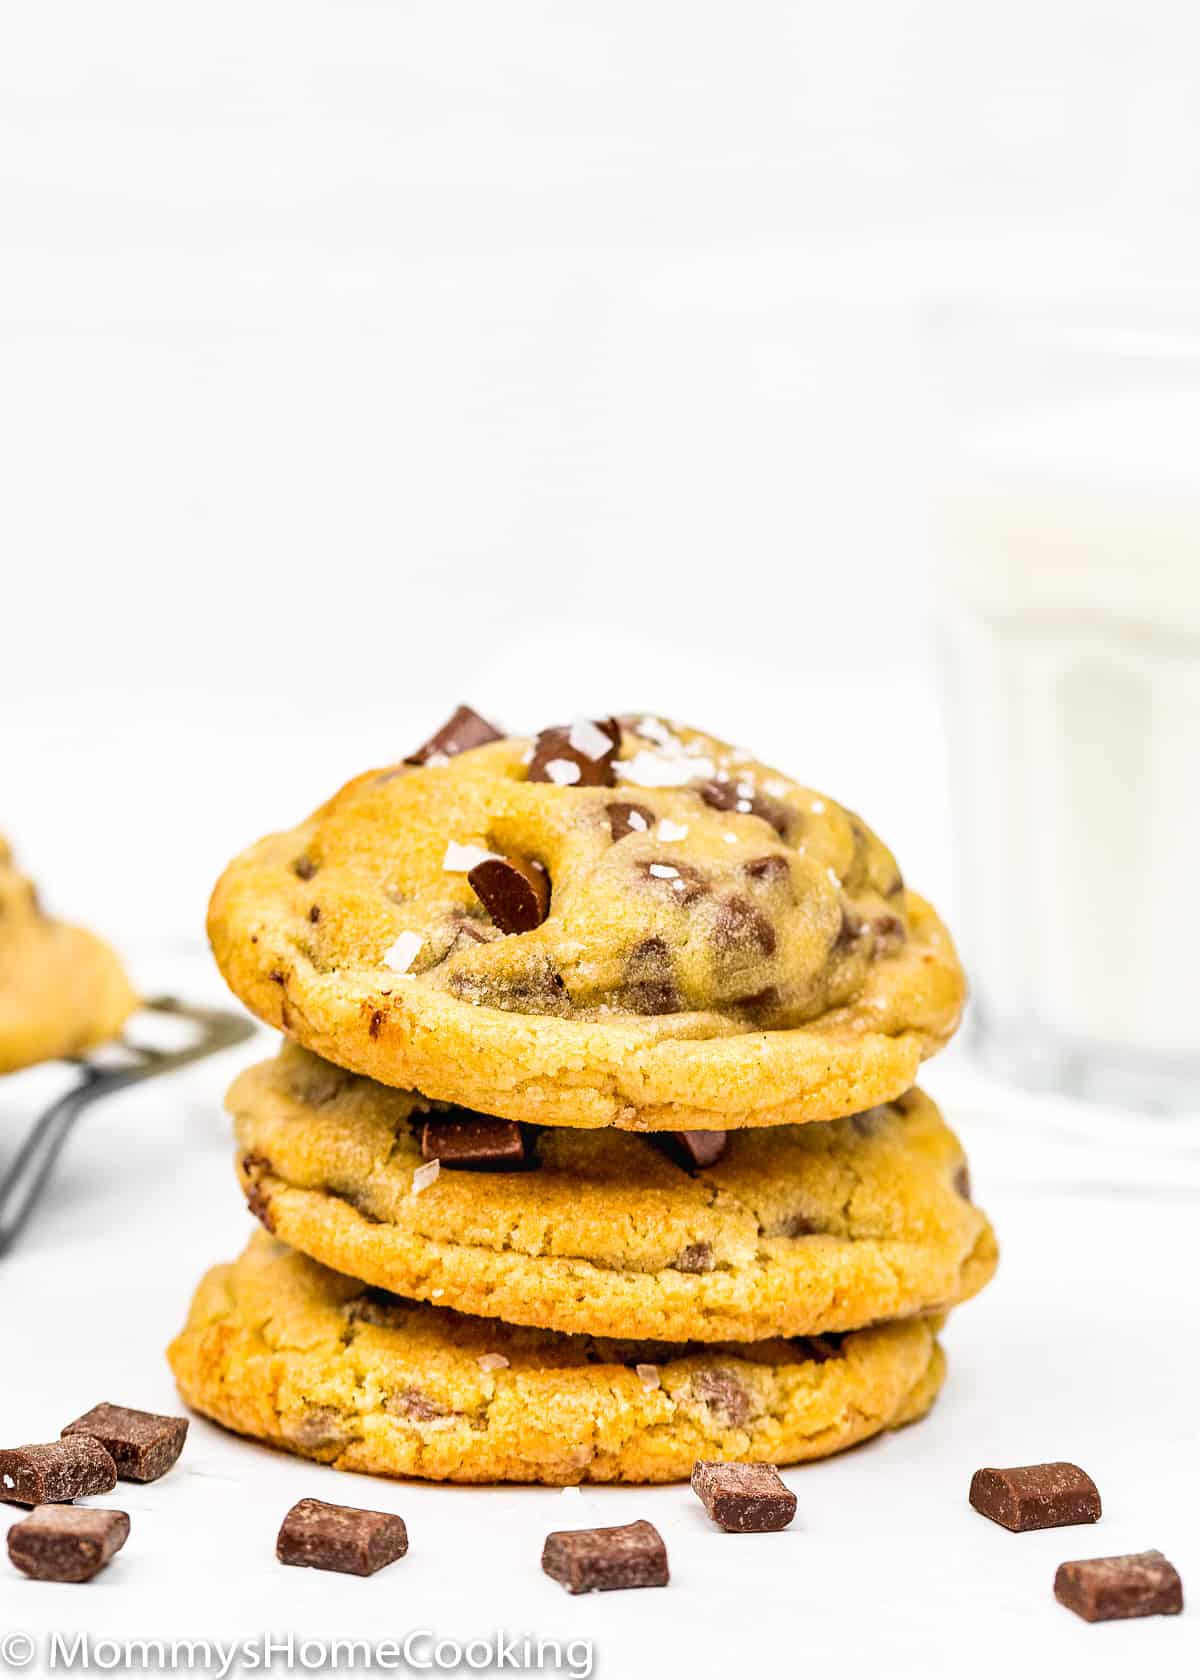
626, 819
412, 1404
680, 881
649, 987
770, 870
889, 933
315, 1535
515, 894
142, 1445
744, 798
606, 1559
698, 1149
462, 731
743, 1498
1036, 1496
721, 1392
1114, 1588
259, 1203
696, 1257
305, 868
475, 1142
962, 1182
56, 1472
578, 754
738, 922
818, 1349
66, 1542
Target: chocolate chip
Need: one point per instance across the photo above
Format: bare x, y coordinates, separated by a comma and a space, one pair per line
376, 1307
475, 1142
515, 894
66, 1542
792, 1225
305, 868
315, 1535
314, 913
1036, 1496
56, 1472
606, 1559
1113, 1589
721, 1392
962, 1182
142, 1445
257, 1199
649, 987
889, 933
682, 882
744, 798
740, 923
574, 756
771, 869
743, 1498
697, 1149
818, 1349
319, 1428
415, 1406
463, 730
626, 819
375, 1023
696, 1257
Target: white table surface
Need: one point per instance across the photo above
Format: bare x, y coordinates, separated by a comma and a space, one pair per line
1085, 1347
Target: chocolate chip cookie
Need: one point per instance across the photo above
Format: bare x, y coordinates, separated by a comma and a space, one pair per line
620, 922
278, 1348
62, 990
791, 1230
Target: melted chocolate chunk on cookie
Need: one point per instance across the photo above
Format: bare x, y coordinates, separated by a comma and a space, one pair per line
320, 1428
410, 1403
474, 1143
724, 1396
580, 754
681, 881
515, 893
744, 798
627, 818
769, 871
696, 1149
739, 923
305, 868
889, 933
649, 987
818, 1349
463, 730
962, 1181
696, 1258
378, 1308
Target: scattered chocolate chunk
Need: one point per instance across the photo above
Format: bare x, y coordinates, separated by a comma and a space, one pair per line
721, 1392
56, 1472
1112, 1589
760, 1003
314, 913
745, 799
699, 1149
743, 1498
462, 731
772, 868
649, 987
410, 1403
962, 1182
259, 1204
606, 1559
515, 894
680, 881
305, 868
315, 1535
475, 1142
66, 1542
142, 1445
889, 933
696, 1257
1036, 1496
626, 819
577, 755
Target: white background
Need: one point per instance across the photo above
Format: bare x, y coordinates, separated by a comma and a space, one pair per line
356, 359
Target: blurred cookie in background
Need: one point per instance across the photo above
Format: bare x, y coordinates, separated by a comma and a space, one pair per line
62, 990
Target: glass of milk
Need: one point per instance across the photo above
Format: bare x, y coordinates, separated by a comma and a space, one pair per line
1067, 598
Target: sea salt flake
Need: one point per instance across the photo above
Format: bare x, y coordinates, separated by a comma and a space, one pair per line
400, 954
654, 729
743, 805
436, 1294
459, 859
668, 830
424, 1176
636, 820
730, 839
664, 872
833, 876
652, 769
817, 807
562, 771
649, 1377
492, 1362
436, 758
584, 737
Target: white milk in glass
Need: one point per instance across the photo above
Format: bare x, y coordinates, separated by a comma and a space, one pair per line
1069, 599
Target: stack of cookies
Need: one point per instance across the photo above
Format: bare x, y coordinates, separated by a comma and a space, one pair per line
594, 1147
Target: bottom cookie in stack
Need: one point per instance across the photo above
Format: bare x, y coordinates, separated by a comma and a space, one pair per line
284, 1350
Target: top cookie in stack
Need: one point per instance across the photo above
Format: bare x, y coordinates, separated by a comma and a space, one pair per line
621, 922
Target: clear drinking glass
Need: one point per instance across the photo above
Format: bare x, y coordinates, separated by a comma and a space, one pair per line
1067, 599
